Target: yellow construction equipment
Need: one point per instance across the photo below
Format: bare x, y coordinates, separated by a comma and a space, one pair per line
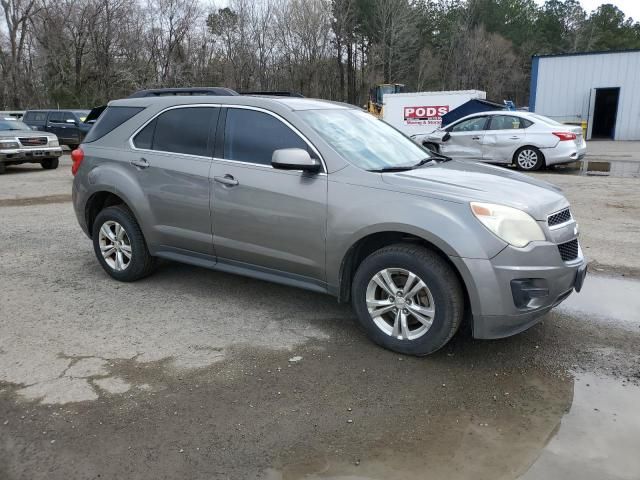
374, 105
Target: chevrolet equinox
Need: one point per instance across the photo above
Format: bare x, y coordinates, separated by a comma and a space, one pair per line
323, 196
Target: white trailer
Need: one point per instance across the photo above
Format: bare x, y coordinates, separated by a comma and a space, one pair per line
421, 112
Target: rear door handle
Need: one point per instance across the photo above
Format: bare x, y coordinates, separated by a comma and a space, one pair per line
227, 180
141, 163
514, 138
475, 138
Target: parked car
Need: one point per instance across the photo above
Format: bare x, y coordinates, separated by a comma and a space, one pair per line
529, 140
68, 125
323, 196
19, 144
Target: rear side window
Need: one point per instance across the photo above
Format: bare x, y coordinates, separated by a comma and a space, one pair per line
507, 122
181, 130
110, 119
35, 117
252, 136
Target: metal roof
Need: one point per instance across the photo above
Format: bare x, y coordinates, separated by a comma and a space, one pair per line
576, 54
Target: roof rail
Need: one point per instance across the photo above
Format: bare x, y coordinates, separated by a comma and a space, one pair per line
161, 92
272, 93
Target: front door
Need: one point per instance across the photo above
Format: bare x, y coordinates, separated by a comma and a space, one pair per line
171, 159
264, 218
465, 142
504, 135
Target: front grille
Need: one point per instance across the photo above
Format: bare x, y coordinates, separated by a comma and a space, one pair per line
569, 250
559, 218
33, 141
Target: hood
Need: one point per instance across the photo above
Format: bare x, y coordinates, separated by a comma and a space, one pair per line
464, 181
24, 133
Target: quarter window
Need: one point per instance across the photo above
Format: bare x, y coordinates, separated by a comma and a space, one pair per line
252, 136
111, 118
181, 130
471, 125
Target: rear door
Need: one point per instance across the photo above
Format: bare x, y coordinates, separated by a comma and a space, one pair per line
504, 135
171, 158
264, 218
466, 136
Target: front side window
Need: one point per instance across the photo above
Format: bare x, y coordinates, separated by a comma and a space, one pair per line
56, 117
252, 136
363, 140
471, 125
507, 122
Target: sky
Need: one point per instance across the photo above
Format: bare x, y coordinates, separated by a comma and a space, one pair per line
631, 8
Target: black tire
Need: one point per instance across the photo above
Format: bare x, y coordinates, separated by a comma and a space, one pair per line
431, 146
3, 168
141, 263
440, 279
50, 163
73, 147
531, 159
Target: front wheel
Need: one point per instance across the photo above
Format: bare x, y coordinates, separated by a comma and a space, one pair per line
50, 163
120, 246
408, 299
529, 159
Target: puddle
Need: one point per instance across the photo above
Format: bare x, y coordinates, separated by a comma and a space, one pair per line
600, 436
606, 299
603, 168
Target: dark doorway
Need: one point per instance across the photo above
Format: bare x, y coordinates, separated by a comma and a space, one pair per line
605, 113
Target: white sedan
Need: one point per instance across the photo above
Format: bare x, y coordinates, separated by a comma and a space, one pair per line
529, 140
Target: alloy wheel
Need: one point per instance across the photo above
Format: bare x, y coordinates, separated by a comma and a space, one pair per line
527, 159
115, 245
400, 303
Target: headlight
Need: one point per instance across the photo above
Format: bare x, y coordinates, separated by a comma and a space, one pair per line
53, 142
510, 224
9, 144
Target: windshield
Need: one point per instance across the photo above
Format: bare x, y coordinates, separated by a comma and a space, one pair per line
363, 140
13, 125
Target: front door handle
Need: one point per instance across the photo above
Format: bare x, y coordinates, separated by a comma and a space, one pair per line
227, 180
514, 138
140, 163
475, 138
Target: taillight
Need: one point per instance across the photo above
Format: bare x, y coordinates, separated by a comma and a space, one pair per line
563, 136
76, 156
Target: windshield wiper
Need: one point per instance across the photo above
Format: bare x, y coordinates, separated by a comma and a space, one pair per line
392, 169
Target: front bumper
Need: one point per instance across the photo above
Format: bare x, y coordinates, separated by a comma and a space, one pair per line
514, 290
29, 154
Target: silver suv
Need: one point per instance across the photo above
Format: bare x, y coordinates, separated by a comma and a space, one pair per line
323, 196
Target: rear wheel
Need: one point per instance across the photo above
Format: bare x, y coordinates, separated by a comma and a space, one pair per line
3, 168
407, 299
119, 245
529, 159
50, 163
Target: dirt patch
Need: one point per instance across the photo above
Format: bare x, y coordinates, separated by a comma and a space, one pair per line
25, 202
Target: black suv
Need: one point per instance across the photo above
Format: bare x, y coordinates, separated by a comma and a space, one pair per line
68, 125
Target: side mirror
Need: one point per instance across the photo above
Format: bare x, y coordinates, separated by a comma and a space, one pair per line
294, 159
446, 137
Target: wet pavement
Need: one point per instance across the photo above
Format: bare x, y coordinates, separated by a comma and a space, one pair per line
202, 375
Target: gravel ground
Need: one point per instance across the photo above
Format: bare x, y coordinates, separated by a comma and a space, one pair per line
198, 374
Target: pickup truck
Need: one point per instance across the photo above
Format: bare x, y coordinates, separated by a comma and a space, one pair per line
20, 144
